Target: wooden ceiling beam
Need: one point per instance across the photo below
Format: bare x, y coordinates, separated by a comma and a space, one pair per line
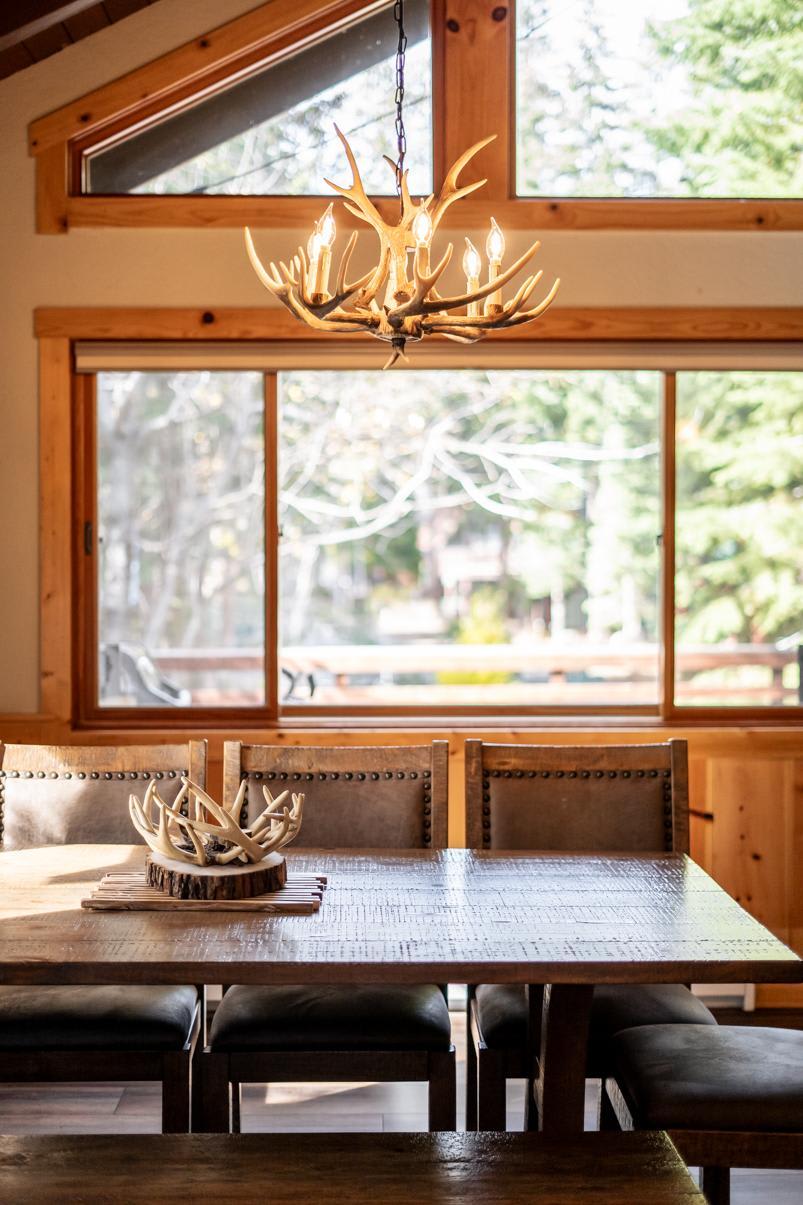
27, 18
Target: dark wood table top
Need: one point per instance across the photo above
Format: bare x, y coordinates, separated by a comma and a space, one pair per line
343, 1169
456, 915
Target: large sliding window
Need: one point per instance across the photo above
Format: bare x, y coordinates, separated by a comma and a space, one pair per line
319, 541
471, 538
181, 539
739, 538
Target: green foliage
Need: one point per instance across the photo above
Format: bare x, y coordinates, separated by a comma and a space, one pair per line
739, 514
741, 134
619, 101
484, 624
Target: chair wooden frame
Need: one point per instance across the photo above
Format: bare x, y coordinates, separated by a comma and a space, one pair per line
223, 1073
175, 1069
715, 1151
488, 1068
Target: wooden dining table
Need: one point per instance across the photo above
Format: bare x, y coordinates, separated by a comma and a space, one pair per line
568, 921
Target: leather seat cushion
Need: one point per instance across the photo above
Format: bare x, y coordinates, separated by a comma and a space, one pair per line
96, 1018
733, 1077
502, 1010
332, 1018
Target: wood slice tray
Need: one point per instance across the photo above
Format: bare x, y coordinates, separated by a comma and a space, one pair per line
128, 891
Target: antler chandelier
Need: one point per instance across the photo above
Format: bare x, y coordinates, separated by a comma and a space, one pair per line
410, 307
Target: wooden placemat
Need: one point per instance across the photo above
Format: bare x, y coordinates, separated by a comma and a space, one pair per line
129, 892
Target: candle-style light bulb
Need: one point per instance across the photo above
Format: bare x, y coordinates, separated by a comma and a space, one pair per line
319, 249
422, 233
495, 247
495, 243
422, 228
327, 229
472, 266
314, 247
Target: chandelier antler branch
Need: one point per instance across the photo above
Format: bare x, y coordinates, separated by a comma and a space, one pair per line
398, 301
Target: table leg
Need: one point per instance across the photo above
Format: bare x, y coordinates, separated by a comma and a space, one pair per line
560, 1087
535, 1002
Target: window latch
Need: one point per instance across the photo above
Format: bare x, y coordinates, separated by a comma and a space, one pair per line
88, 537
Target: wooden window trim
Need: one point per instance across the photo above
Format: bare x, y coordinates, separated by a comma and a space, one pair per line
469, 101
65, 657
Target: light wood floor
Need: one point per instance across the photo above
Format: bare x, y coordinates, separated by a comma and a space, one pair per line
287, 1108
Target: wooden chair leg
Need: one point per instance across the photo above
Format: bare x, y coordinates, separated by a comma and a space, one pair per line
176, 1092
717, 1185
442, 1091
471, 1077
196, 1092
236, 1106
606, 1115
491, 1090
216, 1093
532, 1120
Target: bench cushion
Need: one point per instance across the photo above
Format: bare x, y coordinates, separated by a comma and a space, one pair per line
96, 1018
694, 1077
502, 1010
332, 1018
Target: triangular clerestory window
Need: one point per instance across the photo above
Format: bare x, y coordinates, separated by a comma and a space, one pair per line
272, 133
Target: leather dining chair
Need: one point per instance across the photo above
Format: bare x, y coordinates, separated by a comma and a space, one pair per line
60, 795
379, 798
730, 1096
600, 799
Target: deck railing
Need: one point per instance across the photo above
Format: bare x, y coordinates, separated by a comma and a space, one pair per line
546, 672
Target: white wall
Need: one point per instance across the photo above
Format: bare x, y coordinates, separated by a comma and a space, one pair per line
208, 268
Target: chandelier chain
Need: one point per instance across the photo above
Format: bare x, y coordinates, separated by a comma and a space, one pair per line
401, 137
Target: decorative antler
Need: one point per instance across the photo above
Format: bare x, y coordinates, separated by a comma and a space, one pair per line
410, 309
449, 192
196, 839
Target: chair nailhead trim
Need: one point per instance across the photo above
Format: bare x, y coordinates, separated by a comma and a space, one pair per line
107, 775
358, 776
666, 793
81, 775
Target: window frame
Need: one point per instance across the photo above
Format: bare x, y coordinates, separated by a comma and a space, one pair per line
469, 101
68, 497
